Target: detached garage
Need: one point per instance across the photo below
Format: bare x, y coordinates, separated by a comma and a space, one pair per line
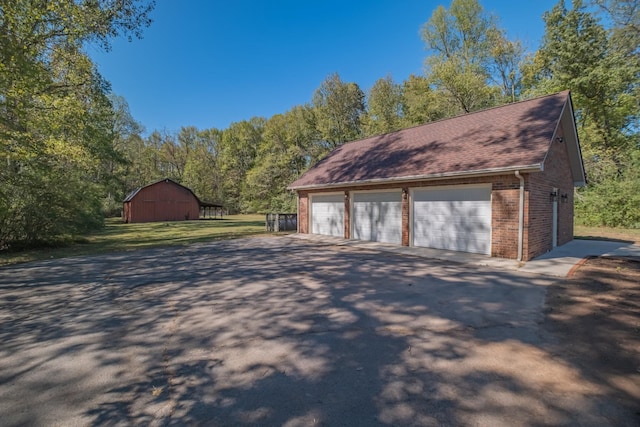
498, 182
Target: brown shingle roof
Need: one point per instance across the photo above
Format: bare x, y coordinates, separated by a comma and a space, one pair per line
513, 136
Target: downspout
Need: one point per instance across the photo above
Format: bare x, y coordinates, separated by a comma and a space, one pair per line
520, 217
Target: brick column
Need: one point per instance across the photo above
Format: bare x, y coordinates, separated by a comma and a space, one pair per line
303, 212
405, 216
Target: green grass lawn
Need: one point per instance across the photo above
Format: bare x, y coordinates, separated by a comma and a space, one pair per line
117, 236
607, 233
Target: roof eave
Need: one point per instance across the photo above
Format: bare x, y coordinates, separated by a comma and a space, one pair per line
416, 178
577, 162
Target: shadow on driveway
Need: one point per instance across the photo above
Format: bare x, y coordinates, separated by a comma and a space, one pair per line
276, 331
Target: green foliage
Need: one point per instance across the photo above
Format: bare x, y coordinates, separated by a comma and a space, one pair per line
507, 57
614, 200
601, 67
463, 42
578, 55
201, 172
245, 167
56, 122
625, 29
284, 153
239, 145
36, 211
339, 107
421, 104
384, 107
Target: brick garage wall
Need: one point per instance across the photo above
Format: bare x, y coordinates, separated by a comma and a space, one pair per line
303, 212
505, 204
505, 216
557, 173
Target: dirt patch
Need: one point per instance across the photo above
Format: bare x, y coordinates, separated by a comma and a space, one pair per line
594, 318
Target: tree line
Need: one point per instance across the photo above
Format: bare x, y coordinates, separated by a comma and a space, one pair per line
73, 150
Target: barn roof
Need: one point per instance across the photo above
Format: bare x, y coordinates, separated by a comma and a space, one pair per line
507, 138
131, 195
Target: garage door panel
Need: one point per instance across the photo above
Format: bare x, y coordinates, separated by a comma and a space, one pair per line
444, 235
327, 215
455, 234
452, 195
452, 224
456, 208
463, 243
378, 217
459, 219
444, 230
453, 218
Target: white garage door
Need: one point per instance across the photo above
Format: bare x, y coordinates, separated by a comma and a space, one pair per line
327, 215
378, 216
453, 218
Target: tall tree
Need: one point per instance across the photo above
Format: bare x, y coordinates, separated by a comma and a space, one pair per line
421, 104
384, 107
201, 172
506, 62
624, 16
460, 41
339, 107
170, 161
56, 122
577, 54
306, 136
270, 175
119, 172
283, 155
590, 57
622, 20
238, 148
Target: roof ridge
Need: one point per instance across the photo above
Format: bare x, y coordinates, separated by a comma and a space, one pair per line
444, 119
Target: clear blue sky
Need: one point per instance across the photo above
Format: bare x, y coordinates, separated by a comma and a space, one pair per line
208, 63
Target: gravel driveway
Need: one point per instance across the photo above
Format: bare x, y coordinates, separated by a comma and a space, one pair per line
280, 331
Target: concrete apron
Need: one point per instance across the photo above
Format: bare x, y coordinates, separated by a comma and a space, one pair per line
558, 263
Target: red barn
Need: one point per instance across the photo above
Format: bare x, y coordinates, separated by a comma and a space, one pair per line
165, 200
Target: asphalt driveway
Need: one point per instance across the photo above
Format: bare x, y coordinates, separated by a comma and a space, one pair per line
281, 331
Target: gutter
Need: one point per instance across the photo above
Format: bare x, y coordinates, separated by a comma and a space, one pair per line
417, 178
520, 217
